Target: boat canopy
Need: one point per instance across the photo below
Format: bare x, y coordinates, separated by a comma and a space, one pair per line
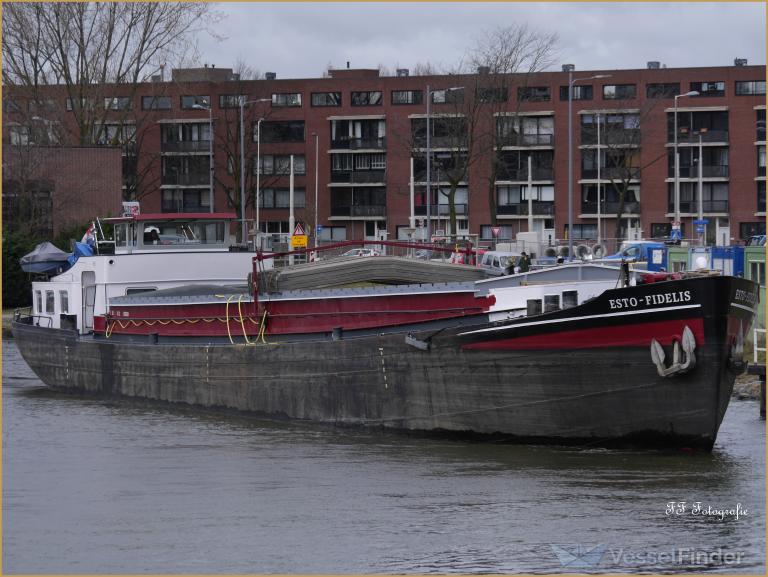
46, 258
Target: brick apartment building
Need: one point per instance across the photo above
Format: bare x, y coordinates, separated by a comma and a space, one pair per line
364, 130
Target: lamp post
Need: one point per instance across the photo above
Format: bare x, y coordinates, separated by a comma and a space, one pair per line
243, 226
676, 222
316, 182
599, 235
207, 106
571, 82
429, 155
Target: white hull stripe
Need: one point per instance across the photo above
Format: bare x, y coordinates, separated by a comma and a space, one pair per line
569, 319
748, 309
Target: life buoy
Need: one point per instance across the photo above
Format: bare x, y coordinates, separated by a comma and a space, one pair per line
550, 252
598, 251
562, 251
582, 251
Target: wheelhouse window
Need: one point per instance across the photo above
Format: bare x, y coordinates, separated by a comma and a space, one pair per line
619, 91
286, 99
155, 102
64, 302
371, 98
39, 301
326, 99
50, 305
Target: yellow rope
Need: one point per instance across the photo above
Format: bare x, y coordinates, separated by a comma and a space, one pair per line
242, 321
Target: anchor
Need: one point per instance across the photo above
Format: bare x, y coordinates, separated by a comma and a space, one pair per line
682, 361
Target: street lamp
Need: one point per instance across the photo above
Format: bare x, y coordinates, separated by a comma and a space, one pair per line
207, 106
316, 173
571, 82
243, 226
676, 222
258, 174
429, 155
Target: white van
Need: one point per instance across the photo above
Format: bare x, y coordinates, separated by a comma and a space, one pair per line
495, 262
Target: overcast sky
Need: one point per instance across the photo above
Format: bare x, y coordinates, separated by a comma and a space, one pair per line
300, 40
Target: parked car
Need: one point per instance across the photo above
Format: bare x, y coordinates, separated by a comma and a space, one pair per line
361, 252
495, 262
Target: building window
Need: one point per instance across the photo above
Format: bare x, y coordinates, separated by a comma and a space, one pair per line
708, 88
525, 130
292, 99
231, 100
372, 98
533, 94
619, 91
580, 92
281, 164
155, 102
85, 104
10, 105
750, 229
281, 131
407, 97
760, 125
714, 198
448, 96
64, 301
326, 99
757, 273
117, 103
581, 231
761, 160
494, 94
665, 90
486, 232
280, 198
192, 102
190, 200
760, 196
663, 230
333, 233
750, 88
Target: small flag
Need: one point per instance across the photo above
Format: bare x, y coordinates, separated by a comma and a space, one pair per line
89, 237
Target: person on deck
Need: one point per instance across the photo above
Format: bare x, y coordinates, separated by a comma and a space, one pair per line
525, 262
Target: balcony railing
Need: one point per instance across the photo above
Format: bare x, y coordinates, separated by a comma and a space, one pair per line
610, 208
359, 143
526, 140
521, 174
359, 210
611, 136
539, 208
358, 177
186, 146
454, 142
191, 179
685, 136
613, 172
692, 206
440, 210
693, 171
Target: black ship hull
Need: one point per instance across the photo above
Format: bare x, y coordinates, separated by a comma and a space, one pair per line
653, 364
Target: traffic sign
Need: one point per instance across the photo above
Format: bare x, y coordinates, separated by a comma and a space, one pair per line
319, 228
299, 241
699, 228
495, 230
701, 221
299, 230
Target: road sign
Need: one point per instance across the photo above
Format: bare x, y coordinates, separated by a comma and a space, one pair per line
299, 241
495, 230
700, 222
699, 228
319, 228
299, 230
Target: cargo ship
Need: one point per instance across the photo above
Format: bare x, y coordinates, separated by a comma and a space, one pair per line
583, 354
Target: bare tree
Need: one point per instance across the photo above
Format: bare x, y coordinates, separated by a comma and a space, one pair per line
506, 59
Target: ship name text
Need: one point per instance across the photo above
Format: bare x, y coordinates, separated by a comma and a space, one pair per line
650, 300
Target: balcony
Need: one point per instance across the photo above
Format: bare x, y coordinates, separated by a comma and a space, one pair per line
685, 136
693, 171
692, 206
610, 208
526, 140
611, 136
521, 174
359, 210
359, 143
441, 210
540, 208
453, 142
613, 172
358, 177
186, 146
182, 179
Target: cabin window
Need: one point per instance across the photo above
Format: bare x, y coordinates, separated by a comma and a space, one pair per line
570, 299
137, 290
49, 302
551, 303
64, 302
534, 307
39, 301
